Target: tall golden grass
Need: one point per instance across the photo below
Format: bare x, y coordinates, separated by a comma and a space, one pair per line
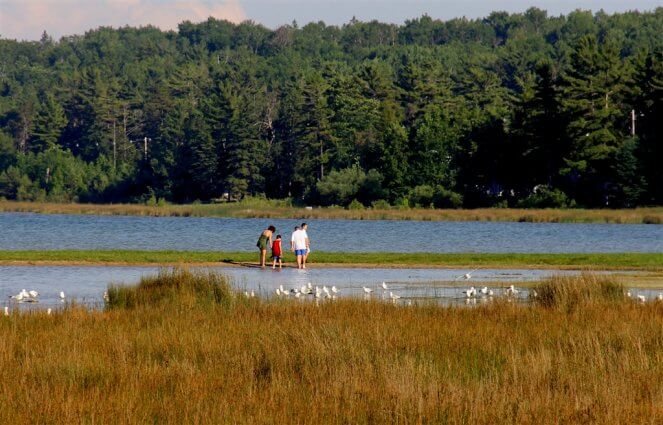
256, 208
170, 359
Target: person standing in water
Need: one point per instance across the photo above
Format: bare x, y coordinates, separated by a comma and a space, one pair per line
299, 245
265, 242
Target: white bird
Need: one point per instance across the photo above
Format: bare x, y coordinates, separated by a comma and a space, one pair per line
33, 294
534, 293
642, 298
511, 290
310, 286
278, 292
334, 289
48, 311
325, 290
394, 296
471, 292
367, 290
384, 286
6, 311
317, 292
490, 292
281, 288
253, 294
628, 294
468, 275
18, 297
484, 290
246, 294
62, 297
660, 296
298, 294
304, 289
106, 297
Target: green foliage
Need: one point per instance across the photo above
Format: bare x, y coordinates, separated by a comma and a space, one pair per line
546, 197
464, 112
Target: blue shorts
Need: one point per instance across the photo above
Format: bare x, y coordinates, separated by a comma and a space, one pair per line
299, 252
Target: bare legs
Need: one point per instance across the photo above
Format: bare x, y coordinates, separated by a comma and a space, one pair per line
263, 256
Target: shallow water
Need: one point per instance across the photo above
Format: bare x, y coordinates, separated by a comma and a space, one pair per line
86, 285
34, 231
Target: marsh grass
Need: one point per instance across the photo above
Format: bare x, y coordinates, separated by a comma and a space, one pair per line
571, 292
177, 285
263, 208
348, 361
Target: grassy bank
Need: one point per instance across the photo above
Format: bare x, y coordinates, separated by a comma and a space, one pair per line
187, 351
621, 261
256, 208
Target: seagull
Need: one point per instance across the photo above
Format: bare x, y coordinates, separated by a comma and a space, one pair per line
278, 292
334, 289
309, 285
18, 297
511, 290
394, 296
490, 292
325, 290
33, 294
642, 298
467, 276
106, 297
534, 293
6, 311
628, 294
253, 294
48, 311
484, 290
471, 292
367, 290
246, 294
660, 296
281, 288
384, 286
298, 294
62, 297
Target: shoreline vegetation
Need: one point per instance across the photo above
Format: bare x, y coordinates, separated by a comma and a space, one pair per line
276, 209
605, 261
182, 347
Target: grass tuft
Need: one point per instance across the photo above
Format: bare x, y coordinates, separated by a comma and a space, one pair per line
571, 292
173, 286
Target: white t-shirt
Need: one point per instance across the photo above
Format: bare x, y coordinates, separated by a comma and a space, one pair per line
299, 239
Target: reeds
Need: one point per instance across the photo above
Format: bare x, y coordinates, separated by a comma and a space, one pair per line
571, 292
341, 362
262, 208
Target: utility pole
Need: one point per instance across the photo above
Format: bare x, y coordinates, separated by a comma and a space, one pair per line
633, 122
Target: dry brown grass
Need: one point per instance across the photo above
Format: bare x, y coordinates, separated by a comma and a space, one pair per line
344, 362
277, 209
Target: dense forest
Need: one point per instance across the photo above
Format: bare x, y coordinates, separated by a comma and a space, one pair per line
525, 110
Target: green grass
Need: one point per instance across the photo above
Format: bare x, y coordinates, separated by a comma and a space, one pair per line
635, 261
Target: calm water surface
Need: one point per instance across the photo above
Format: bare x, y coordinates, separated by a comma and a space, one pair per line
35, 231
87, 284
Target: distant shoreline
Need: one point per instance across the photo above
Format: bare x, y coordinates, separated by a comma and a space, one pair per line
266, 209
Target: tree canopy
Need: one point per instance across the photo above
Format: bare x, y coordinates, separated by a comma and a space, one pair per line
519, 109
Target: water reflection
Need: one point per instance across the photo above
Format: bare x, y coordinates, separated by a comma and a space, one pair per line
86, 285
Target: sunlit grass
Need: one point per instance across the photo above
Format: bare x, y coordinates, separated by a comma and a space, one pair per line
262, 208
608, 261
348, 361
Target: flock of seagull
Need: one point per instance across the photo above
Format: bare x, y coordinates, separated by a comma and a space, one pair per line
317, 292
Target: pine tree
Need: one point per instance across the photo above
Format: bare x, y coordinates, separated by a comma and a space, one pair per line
48, 125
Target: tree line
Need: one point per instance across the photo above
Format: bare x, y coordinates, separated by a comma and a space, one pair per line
523, 109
